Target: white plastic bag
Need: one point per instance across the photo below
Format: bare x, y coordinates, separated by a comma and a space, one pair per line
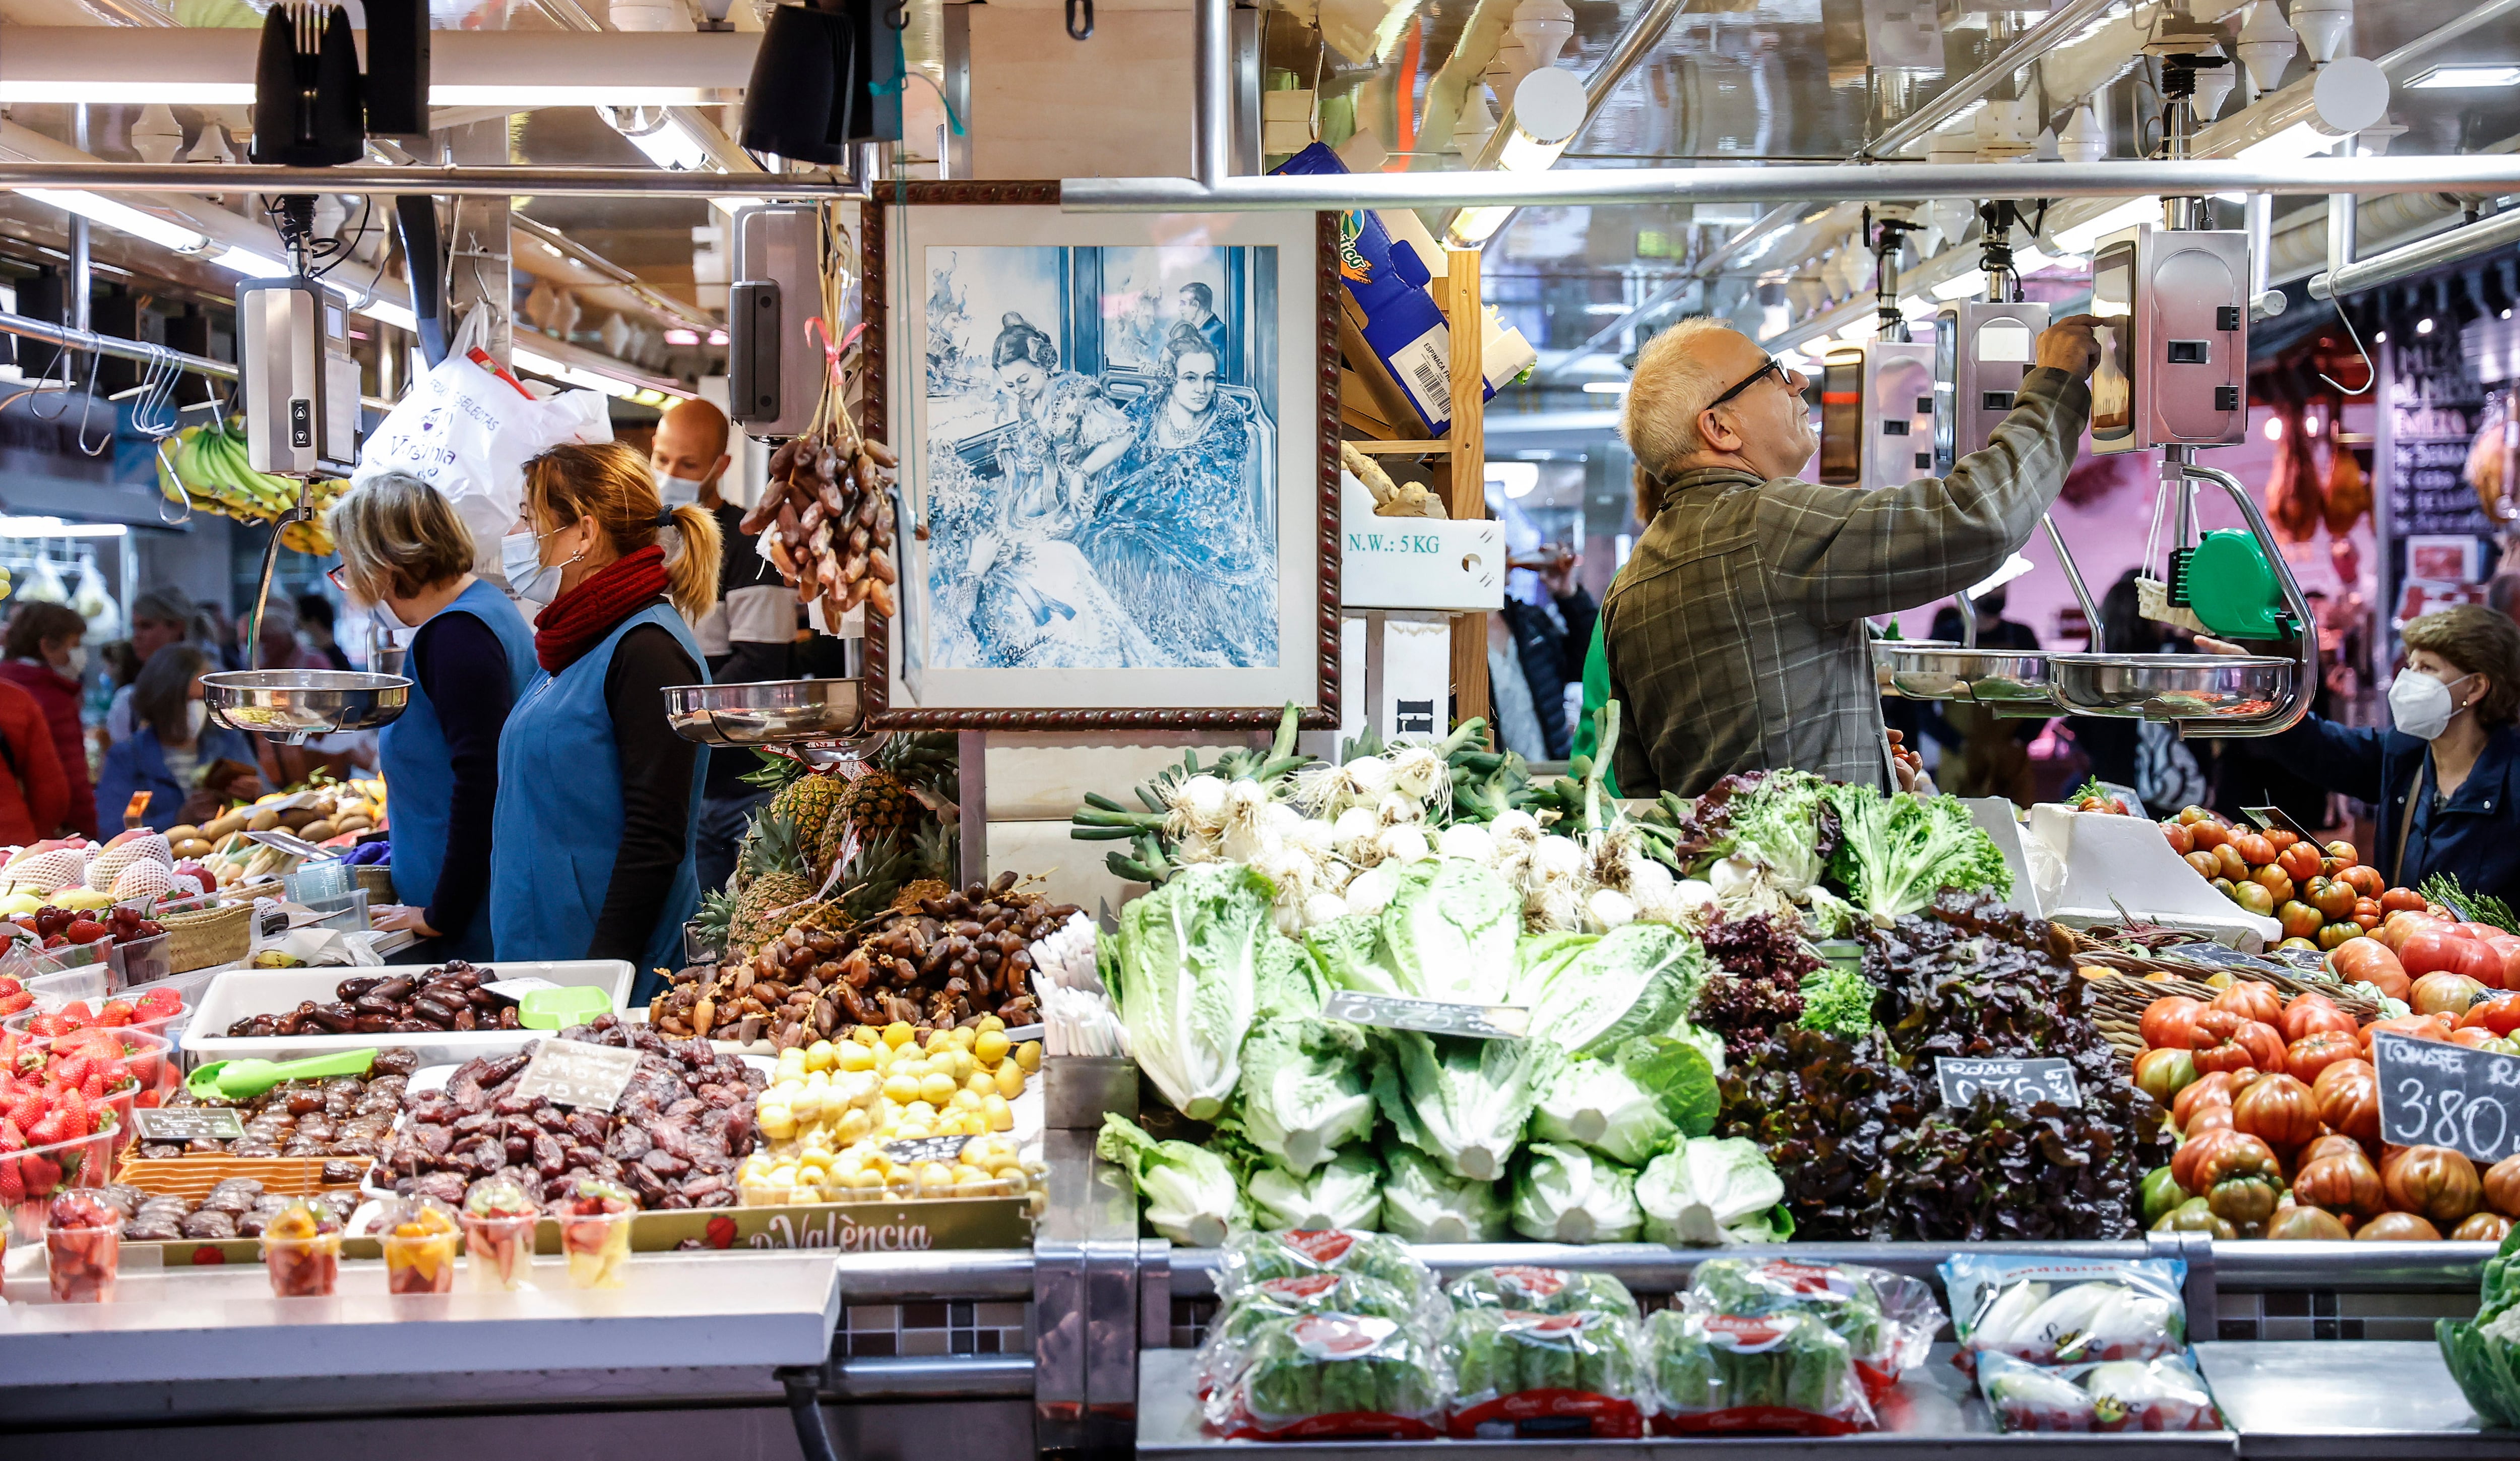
466, 431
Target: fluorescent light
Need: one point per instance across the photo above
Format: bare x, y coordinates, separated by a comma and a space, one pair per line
2444, 77
544, 365
1519, 479
523, 98
1472, 227
388, 312
128, 92
669, 143
1960, 287
1915, 305
1861, 328
2083, 237
2013, 568
120, 217
1610, 307
2303, 139
2032, 262
520, 98
2424, 326
1547, 102
250, 264
731, 206
1606, 387
55, 527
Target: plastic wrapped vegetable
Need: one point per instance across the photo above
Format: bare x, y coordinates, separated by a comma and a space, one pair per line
1345, 1194
1425, 1203
1334, 1376
1257, 1258
1564, 1194
1256, 1307
2062, 1311
1575, 1374
2122, 1395
1888, 1320
1541, 1290
1783, 1371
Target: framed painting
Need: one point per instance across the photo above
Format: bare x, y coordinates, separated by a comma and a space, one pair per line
1119, 460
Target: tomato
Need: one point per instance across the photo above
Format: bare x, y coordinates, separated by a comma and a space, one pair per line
2401, 900
2207, 835
2331, 866
2187, 1162
2251, 1044
2412, 1026
2251, 999
2313, 1053
2482, 1227
2182, 842
2478, 931
2254, 847
2230, 863
2341, 1183
2503, 1187
2279, 839
2301, 860
2433, 950
2496, 1014
2307, 1014
2398, 1227
2192, 814
2445, 993
2334, 1145
2276, 880
2163, 1073
2305, 1225
2277, 1110
2508, 947
2348, 1093
2207, 865
2332, 934
2243, 1179
2299, 919
2434, 1182
2223, 885
2482, 962
2480, 1039
2333, 899
2366, 881
2343, 852
2207, 1092
2168, 1021
2253, 897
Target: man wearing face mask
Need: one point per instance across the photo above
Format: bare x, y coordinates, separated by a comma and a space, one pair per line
2446, 777
1735, 635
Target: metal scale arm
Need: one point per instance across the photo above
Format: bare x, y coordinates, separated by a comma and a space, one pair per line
2297, 696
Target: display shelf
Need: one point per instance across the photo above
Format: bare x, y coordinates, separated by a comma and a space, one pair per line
2346, 1400
1933, 1411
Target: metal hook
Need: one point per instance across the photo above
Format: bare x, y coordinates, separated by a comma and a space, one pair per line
1072, 32
2370, 367
165, 497
87, 408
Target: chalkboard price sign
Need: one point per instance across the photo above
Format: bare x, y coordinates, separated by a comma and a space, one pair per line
1486, 1022
2028, 1081
187, 1123
2436, 1094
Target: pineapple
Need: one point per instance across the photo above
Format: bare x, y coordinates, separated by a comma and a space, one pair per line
883, 800
771, 876
808, 801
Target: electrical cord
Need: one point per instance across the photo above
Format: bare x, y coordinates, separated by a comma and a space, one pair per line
803, 1385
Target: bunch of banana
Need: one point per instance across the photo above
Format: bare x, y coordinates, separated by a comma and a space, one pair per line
205, 466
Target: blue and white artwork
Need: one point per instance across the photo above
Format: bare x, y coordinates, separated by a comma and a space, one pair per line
1102, 457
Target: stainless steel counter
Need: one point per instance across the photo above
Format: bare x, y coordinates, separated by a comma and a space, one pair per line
2346, 1400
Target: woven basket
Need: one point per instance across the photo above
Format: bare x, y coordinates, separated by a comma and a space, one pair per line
378, 882
212, 936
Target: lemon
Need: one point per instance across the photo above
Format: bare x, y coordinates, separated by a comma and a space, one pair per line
964, 1037
899, 1033
900, 1088
990, 1022
982, 1082
965, 1101
991, 1046
997, 1112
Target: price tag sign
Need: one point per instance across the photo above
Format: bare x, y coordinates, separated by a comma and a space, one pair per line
572, 1072
1485, 1022
2433, 1094
925, 1149
188, 1123
2028, 1081
519, 987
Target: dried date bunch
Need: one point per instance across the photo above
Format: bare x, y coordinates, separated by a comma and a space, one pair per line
347, 1117
443, 999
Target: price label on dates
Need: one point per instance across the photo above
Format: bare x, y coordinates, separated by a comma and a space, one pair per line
187, 1123
920, 1149
2436, 1094
2028, 1081
1436, 1017
572, 1072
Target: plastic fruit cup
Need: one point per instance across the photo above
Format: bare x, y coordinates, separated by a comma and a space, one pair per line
83, 1262
598, 1249
498, 1253
423, 1264
302, 1268
32, 1177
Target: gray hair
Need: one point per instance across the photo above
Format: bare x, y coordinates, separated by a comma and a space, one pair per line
1671, 386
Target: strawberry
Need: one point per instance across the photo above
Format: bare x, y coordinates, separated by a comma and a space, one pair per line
49, 1131
92, 1089
13, 1185
28, 1110
87, 930
41, 1173
72, 1108
78, 1012
71, 1071
160, 1003
11, 1137
115, 1014
9, 985
51, 1027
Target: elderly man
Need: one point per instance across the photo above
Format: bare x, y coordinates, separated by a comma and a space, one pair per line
1735, 634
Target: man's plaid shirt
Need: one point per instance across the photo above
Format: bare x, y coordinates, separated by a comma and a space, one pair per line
1735, 634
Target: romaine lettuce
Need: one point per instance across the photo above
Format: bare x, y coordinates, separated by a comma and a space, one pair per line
1307, 1090
1425, 1203
1564, 1194
1463, 1102
1635, 981
1599, 1106
1189, 1191
1184, 980
1709, 1192
1345, 1194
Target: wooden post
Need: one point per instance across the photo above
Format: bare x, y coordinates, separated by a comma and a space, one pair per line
1468, 477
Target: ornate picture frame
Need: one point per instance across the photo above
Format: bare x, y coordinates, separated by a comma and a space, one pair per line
1119, 463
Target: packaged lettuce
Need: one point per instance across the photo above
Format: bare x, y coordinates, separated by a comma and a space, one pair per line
1541, 1290
2063, 1311
1299, 1252
1255, 1307
2164, 1393
1334, 1376
1576, 1374
1888, 1320
1783, 1371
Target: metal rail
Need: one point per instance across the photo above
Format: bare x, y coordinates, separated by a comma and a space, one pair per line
132, 350
2500, 231
452, 182
2060, 27
1832, 182
654, 298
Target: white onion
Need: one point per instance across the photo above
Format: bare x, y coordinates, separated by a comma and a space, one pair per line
1370, 891
1557, 858
1608, 908
1403, 844
1397, 808
1370, 775
1649, 879
1321, 907
1201, 799
1515, 823
1419, 770
1467, 841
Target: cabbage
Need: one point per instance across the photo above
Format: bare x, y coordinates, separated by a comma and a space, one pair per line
1600, 1106
1306, 1090
1637, 979
1189, 1191
1425, 1203
1345, 1194
1566, 1195
1286, 981
1448, 934
1712, 1191
1185, 978
1461, 1101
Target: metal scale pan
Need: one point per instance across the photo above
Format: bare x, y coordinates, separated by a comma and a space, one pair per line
815, 721
1929, 669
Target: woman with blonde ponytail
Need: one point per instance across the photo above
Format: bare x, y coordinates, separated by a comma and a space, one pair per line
599, 798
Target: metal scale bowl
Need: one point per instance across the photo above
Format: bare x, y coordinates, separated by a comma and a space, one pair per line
1937, 669
819, 722
291, 704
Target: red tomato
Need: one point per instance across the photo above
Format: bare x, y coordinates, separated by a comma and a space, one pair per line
2311, 1014
2477, 1037
2182, 841
2509, 949
2366, 881
2306, 1057
2498, 1014
2252, 1000
2301, 860
2476, 931
2333, 899
2207, 835
2369, 961
2170, 1021
2402, 899
2255, 847
2433, 951
2482, 962
2279, 838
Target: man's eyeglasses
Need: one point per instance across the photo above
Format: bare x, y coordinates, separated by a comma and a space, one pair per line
1772, 367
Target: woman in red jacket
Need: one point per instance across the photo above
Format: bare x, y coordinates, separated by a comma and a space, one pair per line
45, 660
34, 792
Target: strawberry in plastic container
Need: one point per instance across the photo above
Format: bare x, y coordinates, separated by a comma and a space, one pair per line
595, 1233
83, 1248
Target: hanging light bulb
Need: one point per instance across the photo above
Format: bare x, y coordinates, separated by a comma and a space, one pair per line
2213, 86
2266, 45
2324, 26
156, 134
1544, 26
2083, 141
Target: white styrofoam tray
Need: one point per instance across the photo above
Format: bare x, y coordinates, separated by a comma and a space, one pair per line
238, 993
2088, 865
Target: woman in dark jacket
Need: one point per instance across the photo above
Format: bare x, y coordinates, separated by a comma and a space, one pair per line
2446, 780
176, 746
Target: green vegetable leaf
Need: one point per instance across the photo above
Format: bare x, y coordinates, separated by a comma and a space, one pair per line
1900, 852
1187, 957
1840, 1001
1306, 1090
1189, 1191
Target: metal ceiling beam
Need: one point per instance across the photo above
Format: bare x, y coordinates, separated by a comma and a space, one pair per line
445, 182
1832, 182
657, 300
2060, 27
2421, 257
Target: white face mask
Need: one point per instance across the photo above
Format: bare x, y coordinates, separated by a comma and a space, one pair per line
677, 491
390, 621
2421, 706
76, 663
521, 558
196, 715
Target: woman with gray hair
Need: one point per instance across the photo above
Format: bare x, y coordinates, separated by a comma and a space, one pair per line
407, 558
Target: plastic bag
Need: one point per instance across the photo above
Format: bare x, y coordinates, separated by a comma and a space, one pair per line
1255, 1307
1784, 1371
1334, 1376
1541, 1290
1568, 1375
2062, 1311
1254, 1258
466, 431
2120, 1394
1887, 1319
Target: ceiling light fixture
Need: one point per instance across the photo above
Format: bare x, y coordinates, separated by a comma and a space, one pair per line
544, 365
125, 91
667, 142
2455, 77
122, 216
1549, 108
1606, 387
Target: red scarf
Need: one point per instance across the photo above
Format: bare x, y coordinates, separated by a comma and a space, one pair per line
577, 620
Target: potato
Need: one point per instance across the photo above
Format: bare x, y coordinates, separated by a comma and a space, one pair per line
192, 846
262, 821
316, 832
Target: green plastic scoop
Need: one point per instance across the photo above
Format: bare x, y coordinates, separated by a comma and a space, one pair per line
243, 1079
561, 1007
